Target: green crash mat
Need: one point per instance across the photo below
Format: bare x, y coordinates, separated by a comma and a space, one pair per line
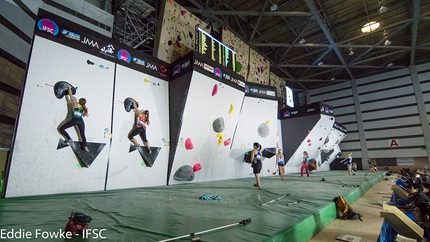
158, 213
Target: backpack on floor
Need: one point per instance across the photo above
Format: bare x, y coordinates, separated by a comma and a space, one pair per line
78, 223
345, 209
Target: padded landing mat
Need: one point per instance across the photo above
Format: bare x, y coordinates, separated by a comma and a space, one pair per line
158, 213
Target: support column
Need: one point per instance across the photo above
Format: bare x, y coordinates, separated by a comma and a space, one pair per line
360, 126
421, 108
308, 97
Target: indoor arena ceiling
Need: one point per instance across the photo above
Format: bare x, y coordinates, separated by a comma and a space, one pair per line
314, 43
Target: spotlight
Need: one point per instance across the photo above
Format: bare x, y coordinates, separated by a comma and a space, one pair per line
387, 41
351, 52
274, 7
302, 41
390, 64
383, 9
320, 63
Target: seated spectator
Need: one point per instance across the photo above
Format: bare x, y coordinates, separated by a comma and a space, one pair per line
416, 196
354, 166
422, 217
373, 168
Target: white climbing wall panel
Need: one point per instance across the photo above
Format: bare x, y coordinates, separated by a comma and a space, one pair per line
127, 169
37, 167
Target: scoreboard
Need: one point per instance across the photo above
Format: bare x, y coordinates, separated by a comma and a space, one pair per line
214, 49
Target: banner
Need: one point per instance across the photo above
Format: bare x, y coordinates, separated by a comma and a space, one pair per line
405, 161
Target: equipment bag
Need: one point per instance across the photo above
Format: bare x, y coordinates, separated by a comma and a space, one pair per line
345, 209
78, 223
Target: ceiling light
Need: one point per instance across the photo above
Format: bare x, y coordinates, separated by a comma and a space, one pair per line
320, 63
390, 64
333, 78
274, 7
383, 9
369, 27
351, 52
302, 41
387, 41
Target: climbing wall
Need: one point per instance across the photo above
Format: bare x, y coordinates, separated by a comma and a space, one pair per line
315, 137
176, 37
331, 146
259, 68
257, 123
209, 120
128, 168
241, 48
277, 82
37, 166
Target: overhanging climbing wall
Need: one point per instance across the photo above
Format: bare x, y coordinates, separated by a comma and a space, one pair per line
209, 120
257, 123
304, 129
217, 122
331, 147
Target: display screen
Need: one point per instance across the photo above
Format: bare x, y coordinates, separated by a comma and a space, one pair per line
289, 97
214, 49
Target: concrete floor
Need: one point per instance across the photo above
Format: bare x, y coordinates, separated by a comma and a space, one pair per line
370, 228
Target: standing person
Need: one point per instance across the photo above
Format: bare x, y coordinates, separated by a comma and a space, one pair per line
142, 120
280, 163
348, 161
79, 111
369, 165
256, 163
305, 164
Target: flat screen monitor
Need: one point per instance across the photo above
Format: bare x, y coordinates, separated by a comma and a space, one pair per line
289, 97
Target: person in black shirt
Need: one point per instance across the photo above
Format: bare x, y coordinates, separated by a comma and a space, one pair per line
422, 217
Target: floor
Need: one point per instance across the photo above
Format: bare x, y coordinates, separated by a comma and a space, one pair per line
370, 228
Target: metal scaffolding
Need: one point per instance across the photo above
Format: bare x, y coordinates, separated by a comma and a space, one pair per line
135, 23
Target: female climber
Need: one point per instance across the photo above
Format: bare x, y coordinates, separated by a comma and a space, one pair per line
142, 120
348, 162
280, 163
79, 111
256, 163
305, 164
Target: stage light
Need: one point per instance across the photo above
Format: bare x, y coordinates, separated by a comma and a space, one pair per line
387, 41
382, 8
320, 63
302, 41
274, 7
351, 52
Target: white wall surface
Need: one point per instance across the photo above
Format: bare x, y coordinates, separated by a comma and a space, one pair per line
37, 167
128, 169
201, 109
312, 144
